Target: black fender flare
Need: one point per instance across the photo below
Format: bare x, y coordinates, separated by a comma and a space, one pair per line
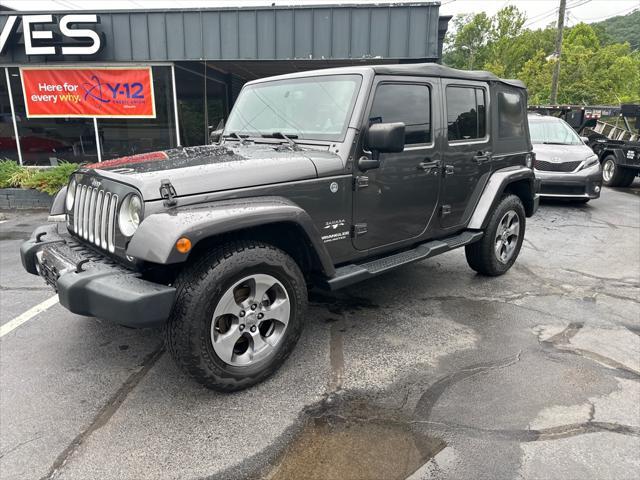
498, 183
57, 207
618, 154
155, 238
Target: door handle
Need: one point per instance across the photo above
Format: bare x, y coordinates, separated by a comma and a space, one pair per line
427, 166
481, 158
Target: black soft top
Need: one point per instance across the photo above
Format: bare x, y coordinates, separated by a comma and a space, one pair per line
436, 70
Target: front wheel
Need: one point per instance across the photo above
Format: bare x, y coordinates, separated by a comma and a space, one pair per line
498, 249
238, 314
613, 175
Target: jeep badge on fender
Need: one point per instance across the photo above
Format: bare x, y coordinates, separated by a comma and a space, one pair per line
327, 177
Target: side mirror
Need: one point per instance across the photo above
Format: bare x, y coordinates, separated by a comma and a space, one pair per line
385, 137
585, 140
214, 137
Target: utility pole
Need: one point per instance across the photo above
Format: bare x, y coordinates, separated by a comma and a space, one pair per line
558, 52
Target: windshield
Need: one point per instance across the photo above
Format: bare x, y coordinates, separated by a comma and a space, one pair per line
554, 132
314, 108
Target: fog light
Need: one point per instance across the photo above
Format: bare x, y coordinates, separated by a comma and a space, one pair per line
596, 189
183, 245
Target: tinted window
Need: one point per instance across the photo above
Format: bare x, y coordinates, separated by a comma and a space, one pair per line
510, 115
466, 113
404, 103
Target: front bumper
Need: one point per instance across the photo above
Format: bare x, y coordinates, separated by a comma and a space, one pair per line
585, 183
88, 283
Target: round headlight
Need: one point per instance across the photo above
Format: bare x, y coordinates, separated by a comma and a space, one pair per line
71, 194
129, 216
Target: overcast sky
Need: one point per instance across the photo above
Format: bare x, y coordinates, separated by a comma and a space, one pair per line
539, 12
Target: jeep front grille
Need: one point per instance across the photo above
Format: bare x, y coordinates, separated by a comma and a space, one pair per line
94, 216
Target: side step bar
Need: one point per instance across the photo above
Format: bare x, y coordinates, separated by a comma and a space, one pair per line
352, 273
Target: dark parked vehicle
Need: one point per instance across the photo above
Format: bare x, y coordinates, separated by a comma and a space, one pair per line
565, 166
620, 157
321, 178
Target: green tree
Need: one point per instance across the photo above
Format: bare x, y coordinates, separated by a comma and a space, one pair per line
593, 70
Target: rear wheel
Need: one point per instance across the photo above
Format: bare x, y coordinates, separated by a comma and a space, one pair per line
613, 175
498, 249
238, 314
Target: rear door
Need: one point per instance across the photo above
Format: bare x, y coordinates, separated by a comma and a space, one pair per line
396, 201
467, 150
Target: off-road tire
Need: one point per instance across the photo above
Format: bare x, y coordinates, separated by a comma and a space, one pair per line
198, 289
481, 255
622, 177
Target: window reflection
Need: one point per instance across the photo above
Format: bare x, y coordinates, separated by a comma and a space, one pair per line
409, 104
466, 113
202, 102
46, 141
123, 136
8, 145
510, 115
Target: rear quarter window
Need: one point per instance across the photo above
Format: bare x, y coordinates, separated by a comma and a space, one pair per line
511, 115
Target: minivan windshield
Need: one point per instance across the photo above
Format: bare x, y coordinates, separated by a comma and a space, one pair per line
313, 108
553, 132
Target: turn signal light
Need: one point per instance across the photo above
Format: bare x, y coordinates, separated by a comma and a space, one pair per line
183, 245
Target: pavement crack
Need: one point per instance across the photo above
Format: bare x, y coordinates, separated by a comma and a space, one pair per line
537, 435
336, 355
622, 281
21, 444
106, 412
565, 336
592, 412
431, 396
4, 288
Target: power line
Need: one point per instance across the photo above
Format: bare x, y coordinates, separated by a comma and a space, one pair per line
622, 12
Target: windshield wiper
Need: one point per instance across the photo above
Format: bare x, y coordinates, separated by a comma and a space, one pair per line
242, 138
557, 143
288, 138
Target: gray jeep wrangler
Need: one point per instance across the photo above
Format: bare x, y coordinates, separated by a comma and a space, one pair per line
321, 178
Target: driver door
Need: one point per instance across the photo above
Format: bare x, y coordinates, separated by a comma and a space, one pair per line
397, 200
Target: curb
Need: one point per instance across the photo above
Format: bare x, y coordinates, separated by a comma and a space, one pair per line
24, 199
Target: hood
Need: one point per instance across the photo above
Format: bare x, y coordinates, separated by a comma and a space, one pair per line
562, 153
210, 168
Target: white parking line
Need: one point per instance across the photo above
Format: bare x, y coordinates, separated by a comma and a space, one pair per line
26, 316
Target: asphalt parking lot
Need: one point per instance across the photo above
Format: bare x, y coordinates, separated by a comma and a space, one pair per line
426, 372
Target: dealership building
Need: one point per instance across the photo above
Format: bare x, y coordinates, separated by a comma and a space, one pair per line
88, 86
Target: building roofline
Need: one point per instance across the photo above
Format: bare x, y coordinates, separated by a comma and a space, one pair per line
233, 9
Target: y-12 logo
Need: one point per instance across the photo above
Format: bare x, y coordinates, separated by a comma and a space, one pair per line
127, 90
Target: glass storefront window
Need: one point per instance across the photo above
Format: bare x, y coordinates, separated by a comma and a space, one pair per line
46, 141
202, 102
121, 136
8, 144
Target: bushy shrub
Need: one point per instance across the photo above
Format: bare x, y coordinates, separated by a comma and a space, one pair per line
8, 171
48, 180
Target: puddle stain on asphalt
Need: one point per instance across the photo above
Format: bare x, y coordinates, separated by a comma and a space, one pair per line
339, 303
355, 440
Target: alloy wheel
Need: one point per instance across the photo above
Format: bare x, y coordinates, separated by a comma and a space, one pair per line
608, 170
250, 320
507, 235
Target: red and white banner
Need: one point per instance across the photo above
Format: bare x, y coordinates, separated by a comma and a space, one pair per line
110, 92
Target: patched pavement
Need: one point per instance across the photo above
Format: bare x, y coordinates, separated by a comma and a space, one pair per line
427, 372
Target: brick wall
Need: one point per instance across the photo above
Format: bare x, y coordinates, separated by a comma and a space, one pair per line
22, 198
